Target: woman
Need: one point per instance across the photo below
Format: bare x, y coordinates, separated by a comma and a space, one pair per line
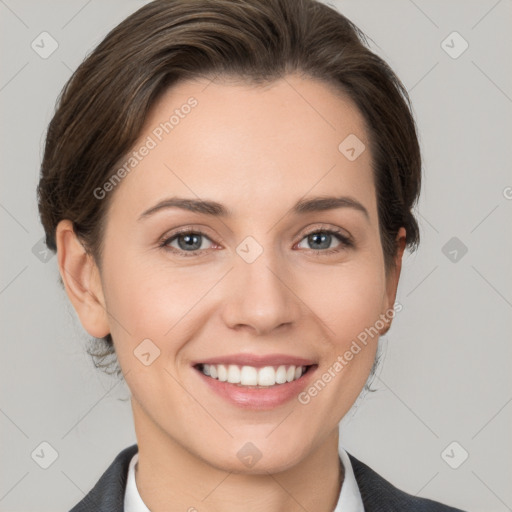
229, 188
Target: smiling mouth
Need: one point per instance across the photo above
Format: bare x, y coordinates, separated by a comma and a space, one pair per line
253, 377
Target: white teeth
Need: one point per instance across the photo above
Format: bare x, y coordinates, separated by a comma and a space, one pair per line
281, 375
233, 374
248, 376
222, 373
251, 376
266, 376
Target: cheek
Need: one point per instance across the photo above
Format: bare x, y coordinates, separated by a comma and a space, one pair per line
347, 298
348, 301
153, 301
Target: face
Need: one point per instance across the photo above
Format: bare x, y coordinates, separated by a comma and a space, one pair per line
264, 278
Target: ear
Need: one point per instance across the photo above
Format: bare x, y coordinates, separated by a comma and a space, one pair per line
393, 278
81, 279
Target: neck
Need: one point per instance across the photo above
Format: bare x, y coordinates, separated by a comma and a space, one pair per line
170, 478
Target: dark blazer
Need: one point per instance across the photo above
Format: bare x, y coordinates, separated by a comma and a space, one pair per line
378, 494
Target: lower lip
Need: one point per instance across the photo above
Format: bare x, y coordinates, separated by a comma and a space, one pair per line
258, 398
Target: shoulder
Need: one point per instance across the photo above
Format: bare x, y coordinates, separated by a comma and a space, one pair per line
108, 493
381, 496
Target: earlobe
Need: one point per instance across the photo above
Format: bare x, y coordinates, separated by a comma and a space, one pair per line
394, 276
81, 279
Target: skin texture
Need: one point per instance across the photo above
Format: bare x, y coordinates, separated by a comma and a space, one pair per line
257, 150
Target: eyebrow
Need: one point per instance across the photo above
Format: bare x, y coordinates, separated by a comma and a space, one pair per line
303, 206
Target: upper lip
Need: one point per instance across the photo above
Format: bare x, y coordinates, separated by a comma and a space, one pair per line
257, 360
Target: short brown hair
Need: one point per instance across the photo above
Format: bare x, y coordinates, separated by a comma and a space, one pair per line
102, 108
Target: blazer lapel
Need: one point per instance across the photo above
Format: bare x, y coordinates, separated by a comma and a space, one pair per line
379, 495
108, 493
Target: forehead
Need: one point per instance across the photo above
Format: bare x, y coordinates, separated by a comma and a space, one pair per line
249, 145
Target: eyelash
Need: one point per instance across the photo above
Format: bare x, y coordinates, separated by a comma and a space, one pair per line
346, 242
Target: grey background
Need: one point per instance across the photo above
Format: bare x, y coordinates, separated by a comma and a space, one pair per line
446, 374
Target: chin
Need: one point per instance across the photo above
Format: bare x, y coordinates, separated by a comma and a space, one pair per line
255, 454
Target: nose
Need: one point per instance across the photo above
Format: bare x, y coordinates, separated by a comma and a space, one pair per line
259, 296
